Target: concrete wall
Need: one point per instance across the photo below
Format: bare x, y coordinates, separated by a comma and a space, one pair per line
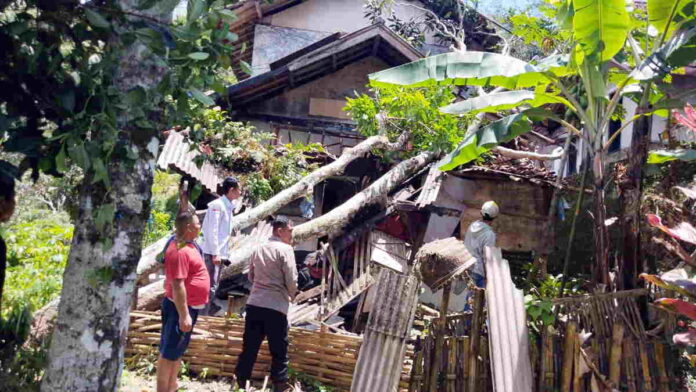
272, 43
333, 16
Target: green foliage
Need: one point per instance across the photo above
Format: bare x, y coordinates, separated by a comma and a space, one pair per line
309, 384
21, 367
412, 109
538, 300
86, 119
264, 169
37, 254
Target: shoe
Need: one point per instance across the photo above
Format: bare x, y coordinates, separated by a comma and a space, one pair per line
240, 384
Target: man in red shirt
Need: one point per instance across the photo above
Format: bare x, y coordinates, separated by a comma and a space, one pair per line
186, 286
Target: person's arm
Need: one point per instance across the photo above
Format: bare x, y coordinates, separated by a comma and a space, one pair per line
179, 294
211, 229
250, 275
290, 272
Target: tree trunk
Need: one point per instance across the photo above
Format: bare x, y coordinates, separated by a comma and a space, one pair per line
86, 352
630, 193
334, 222
150, 297
601, 233
306, 184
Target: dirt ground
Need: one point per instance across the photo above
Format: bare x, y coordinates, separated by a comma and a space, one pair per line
135, 382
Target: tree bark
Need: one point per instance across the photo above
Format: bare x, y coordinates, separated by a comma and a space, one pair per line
306, 184
517, 154
150, 297
334, 222
630, 193
86, 352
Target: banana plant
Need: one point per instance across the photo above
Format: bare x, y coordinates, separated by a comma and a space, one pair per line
601, 29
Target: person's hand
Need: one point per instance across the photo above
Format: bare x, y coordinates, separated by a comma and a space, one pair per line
216, 260
185, 323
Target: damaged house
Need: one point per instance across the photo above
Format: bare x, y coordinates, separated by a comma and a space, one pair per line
306, 58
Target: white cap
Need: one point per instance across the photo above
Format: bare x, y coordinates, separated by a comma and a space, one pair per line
490, 209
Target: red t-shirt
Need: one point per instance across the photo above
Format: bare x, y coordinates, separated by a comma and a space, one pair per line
186, 263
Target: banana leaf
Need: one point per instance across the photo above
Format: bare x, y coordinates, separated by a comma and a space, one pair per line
492, 103
679, 51
677, 306
683, 231
484, 139
684, 287
600, 27
662, 13
662, 156
463, 68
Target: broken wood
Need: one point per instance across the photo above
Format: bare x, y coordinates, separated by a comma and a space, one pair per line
475, 339
306, 184
439, 339
615, 356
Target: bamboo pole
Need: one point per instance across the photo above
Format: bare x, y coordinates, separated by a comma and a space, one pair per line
465, 357
662, 372
483, 380
568, 356
645, 364
427, 362
615, 354
414, 384
475, 339
577, 375
439, 339
628, 361
546, 367
451, 364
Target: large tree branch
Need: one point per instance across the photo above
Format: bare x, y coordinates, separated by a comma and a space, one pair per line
306, 184
516, 154
334, 222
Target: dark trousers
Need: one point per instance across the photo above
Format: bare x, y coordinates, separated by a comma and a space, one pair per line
259, 324
213, 274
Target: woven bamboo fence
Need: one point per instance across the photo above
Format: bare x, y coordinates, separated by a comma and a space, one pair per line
619, 354
217, 342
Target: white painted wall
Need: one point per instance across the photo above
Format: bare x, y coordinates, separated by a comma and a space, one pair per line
333, 16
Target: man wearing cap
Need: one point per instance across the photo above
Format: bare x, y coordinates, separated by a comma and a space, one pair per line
478, 237
217, 228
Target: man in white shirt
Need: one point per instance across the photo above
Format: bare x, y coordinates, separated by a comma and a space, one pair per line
478, 237
217, 228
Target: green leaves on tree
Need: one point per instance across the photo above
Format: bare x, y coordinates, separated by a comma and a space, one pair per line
96, 20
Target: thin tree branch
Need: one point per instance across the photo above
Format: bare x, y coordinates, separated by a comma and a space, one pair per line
517, 154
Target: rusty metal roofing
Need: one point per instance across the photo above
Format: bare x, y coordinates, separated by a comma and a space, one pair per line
178, 156
507, 327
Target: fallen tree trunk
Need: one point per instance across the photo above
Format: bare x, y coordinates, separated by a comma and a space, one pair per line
306, 184
517, 154
150, 297
147, 263
334, 222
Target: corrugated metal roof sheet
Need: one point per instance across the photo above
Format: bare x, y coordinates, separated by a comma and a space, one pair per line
381, 360
507, 320
178, 156
431, 187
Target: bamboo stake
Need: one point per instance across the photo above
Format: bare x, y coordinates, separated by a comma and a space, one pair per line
414, 384
645, 364
475, 339
577, 375
427, 362
546, 367
615, 356
662, 372
628, 356
452, 364
465, 357
483, 382
439, 339
568, 356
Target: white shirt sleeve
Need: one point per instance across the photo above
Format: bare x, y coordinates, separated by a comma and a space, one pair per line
211, 227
